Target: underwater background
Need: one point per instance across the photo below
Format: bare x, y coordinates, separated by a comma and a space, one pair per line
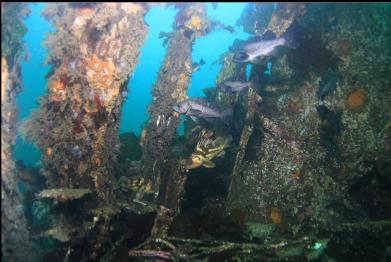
196, 131
152, 54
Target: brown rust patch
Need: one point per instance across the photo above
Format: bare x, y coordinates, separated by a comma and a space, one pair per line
276, 216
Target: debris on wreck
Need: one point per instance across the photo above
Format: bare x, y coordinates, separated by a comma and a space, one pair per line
64, 194
258, 231
284, 16
256, 17
105, 212
59, 233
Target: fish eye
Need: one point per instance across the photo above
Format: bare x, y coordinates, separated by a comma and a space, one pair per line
178, 108
196, 159
241, 56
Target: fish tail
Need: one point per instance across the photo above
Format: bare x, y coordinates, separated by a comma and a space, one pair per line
290, 39
227, 115
227, 141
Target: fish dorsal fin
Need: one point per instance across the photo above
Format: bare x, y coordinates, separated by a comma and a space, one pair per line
195, 119
196, 112
203, 144
268, 35
204, 102
200, 100
252, 43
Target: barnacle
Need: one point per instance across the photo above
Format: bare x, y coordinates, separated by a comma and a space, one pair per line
131, 8
91, 107
58, 97
195, 23
4, 78
179, 93
84, 11
79, 24
284, 17
49, 151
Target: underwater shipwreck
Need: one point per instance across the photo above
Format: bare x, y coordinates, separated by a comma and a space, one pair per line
290, 162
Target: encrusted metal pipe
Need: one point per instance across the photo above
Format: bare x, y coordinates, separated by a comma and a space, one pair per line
190, 22
94, 51
15, 242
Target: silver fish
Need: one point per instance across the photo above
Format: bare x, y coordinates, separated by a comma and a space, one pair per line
200, 108
197, 66
158, 120
234, 86
261, 48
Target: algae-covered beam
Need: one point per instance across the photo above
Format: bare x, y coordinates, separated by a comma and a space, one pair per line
251, 108
257, 18
248, 104
94, 50
307, 248
171, 86
15, 243
191, 22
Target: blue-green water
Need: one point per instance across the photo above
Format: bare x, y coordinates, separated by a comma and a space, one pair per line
33, 76
134, 114
299, 171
